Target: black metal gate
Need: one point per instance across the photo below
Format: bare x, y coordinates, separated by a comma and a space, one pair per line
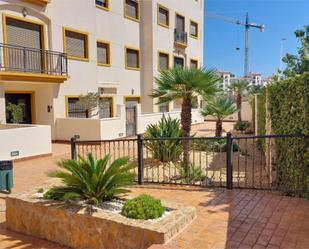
130, 121
271, 162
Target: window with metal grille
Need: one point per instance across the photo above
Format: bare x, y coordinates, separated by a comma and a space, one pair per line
102, 3
193, 63
132, 58
132, 9
76, 44
193, 29
103, 53
163, 61
75, 110
105, 107
163, 16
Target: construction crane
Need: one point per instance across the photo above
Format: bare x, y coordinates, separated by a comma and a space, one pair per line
247, 24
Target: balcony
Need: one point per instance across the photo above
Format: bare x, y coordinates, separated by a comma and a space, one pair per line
180, 38
38, 2
34, 65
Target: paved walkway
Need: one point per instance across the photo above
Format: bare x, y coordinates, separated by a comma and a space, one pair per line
225, 219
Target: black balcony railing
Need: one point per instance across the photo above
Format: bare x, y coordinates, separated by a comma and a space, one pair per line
30, 60
180, 37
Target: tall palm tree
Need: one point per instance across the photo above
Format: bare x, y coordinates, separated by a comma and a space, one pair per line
238, 88
185, 84
219, 108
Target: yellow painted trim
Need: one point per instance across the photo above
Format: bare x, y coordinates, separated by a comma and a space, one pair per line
86, 34
129, 17
23, 19
32, 100
108, 54
39, 2
184, 61
168, 17
125, 98
112, 103
103, 8
195, 60
197, 29
139, 58
168, 58
15, 76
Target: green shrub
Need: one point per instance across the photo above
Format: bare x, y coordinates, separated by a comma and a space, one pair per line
164, 150
143, 207
289, 114
212, 145
196, 174
92, 180
40, 190
241, 126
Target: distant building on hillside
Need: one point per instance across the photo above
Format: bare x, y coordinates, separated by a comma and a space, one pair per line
225, 77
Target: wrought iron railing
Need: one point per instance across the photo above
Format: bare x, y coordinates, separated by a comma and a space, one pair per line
180, 37
30, 60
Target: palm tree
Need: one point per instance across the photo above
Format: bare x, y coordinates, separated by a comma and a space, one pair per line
185, 84
219, 108
238, 88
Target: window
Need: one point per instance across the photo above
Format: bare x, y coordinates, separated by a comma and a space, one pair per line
106, 107
76, 44
193, 63
180, 23
164, 107
179, 61
163, 61
103, 53
103, 4
131, 9
74, 109
163, 16
193, 29
132, 58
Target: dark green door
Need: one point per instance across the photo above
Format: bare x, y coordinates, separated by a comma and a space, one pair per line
23, 99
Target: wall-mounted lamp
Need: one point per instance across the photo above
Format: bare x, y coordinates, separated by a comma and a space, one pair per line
49, 108
132, 91
24, 12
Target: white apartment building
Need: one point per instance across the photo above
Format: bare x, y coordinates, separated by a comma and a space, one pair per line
225, 77
53, 51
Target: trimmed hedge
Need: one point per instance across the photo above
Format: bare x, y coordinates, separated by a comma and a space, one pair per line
289, 113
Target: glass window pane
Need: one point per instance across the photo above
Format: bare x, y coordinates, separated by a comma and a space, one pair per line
194, 29
193, 64
163, 16
103, 3
76, 44
132, 8
75, 110
105, 110
103, 53
163, 61
132, 58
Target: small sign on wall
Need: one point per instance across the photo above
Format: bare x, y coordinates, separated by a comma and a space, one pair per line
14, 153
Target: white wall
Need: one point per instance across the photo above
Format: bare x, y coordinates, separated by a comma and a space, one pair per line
27, 140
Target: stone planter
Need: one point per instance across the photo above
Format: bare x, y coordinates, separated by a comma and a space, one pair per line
77, 227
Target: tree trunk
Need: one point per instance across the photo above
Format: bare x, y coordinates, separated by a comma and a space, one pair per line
238, 101
186, 118
219, 128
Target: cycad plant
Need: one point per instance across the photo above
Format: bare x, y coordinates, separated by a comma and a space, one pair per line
219, 108
239, 88
92, 180
185, 84
165, 150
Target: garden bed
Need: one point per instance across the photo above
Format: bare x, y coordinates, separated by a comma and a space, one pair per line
79, 226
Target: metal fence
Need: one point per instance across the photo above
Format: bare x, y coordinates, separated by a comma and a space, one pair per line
251, 162
31, 60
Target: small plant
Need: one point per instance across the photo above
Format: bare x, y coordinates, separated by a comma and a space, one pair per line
17, 112
165, 150
91, 180
241, 126
143, 207
195, 174
89, 103
40, 190
212, 145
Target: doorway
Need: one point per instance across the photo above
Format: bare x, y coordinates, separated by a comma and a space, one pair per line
25, 101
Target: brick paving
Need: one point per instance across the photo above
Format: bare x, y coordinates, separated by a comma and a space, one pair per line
225, 219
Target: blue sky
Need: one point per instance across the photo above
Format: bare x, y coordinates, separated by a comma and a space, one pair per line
281, 18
